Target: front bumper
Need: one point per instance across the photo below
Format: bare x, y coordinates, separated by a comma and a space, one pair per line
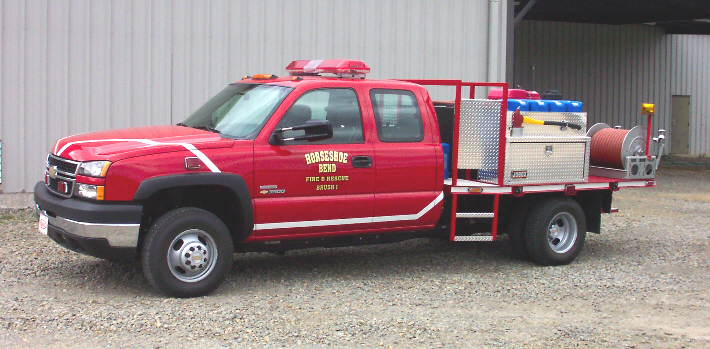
104, 230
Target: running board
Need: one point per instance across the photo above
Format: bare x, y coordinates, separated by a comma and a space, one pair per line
473, 238
475, 214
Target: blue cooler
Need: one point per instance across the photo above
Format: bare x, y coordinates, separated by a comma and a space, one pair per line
447, 156
573, 107
513, 104
538, 105
557, 106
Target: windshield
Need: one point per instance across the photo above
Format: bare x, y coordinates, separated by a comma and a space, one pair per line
239, 111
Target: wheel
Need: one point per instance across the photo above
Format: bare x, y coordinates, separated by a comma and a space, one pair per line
555, 231
187, 253
516, 233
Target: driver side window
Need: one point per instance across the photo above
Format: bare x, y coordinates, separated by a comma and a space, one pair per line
337, 105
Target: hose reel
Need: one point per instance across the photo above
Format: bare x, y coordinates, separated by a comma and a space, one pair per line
619, 152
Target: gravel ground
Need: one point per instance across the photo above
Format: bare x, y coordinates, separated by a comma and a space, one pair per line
643, 283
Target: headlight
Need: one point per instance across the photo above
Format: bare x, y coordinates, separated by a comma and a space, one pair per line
93, 168
90, 191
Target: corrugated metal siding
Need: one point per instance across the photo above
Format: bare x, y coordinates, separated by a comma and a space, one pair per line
77, 66
611, 69
614, 69
691, 59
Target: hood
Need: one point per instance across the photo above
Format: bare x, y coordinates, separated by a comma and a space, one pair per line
114, 145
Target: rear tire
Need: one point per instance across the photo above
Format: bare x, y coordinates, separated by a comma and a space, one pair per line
187, 253
555, 231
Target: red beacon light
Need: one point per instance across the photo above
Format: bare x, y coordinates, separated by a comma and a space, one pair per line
342, 68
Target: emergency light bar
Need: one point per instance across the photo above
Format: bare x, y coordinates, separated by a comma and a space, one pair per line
342, 68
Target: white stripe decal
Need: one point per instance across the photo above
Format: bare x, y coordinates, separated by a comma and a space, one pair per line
57, 143
201, 156
149, 142
345, 221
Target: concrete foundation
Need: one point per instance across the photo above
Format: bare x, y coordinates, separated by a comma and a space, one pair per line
16, 200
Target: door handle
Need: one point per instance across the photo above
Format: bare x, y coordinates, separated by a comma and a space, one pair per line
362, 161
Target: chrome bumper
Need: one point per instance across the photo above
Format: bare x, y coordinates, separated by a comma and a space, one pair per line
117, 235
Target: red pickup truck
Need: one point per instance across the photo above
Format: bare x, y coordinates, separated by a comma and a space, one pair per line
278, 163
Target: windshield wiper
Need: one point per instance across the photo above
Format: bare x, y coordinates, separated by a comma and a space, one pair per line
206, 128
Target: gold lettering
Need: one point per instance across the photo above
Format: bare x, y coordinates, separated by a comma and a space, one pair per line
326, 156
326, 168
337, 178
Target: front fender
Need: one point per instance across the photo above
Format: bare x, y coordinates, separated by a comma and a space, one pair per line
233, 182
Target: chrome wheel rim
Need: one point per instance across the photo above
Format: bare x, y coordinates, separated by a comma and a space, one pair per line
192, 255
562, 232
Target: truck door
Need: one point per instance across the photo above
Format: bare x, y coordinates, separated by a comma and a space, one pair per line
323, 187
406, 191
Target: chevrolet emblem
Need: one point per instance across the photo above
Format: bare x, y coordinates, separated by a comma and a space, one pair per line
52, 172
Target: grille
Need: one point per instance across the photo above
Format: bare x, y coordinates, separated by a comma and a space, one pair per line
62, 165
66, 172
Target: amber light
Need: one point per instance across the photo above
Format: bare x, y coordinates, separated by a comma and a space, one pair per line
264, 76
647, 109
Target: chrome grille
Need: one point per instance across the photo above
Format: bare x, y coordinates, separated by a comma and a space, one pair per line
62, 164
66, 172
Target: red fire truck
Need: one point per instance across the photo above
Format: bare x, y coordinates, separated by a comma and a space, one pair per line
325, 157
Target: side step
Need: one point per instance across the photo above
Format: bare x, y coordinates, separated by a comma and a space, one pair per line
478, 237
473, 238
475, 214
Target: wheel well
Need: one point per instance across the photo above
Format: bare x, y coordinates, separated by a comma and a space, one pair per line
592, 203
219, 200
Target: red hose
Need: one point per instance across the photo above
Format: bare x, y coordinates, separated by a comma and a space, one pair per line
605, 149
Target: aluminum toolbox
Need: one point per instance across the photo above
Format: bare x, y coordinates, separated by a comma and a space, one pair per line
539, 154
540, 160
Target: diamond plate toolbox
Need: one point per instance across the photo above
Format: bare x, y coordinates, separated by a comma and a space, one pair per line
542, 154
547, 154
540, 160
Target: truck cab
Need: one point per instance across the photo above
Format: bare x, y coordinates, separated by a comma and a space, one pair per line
266, 161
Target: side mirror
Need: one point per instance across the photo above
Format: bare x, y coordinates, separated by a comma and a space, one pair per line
315, 130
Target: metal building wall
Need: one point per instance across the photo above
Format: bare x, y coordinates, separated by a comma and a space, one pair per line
613, 69
78, 66
690, 55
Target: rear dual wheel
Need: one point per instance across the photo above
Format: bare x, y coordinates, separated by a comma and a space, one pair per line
555, 231
187, 253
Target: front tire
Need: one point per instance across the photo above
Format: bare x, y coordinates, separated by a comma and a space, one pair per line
555, 231
187, 253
